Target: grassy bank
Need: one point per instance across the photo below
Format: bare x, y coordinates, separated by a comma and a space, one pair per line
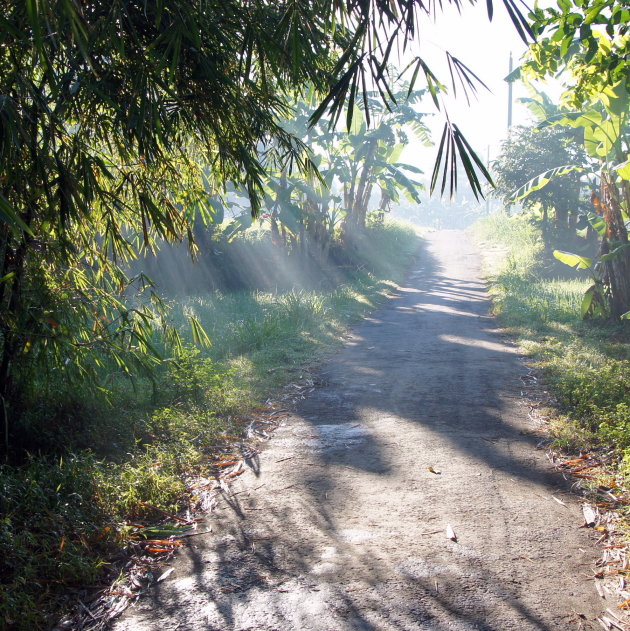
586, 365
108, 460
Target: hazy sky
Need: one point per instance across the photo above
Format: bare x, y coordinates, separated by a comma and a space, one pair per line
485, 48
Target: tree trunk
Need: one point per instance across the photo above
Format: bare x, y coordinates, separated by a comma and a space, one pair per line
562, 220
617, 269
356, 203
361, 199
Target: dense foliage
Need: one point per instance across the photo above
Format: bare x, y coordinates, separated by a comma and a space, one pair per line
589, 41
121, 125
536, 153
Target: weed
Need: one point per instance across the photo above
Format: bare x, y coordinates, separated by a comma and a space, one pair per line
131, 449
586, 365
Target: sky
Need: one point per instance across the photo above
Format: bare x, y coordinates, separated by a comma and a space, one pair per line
485, 48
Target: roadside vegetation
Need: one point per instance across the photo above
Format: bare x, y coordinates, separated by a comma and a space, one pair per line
125, 145
585, 363
560, 267
103, 464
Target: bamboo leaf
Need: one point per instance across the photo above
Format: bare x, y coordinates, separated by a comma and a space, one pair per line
200, 337
9, 215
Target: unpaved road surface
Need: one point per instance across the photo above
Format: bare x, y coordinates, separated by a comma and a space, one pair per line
340, 525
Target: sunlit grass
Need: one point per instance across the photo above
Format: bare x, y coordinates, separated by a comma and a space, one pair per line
103, 466
586, 365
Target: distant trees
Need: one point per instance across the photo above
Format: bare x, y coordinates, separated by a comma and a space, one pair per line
358, 170
530, 152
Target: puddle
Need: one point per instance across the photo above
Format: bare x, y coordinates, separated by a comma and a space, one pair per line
341, 431
353, 535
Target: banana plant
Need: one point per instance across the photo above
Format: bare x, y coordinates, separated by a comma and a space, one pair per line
606, 140
604, 130
366, 161
353, 166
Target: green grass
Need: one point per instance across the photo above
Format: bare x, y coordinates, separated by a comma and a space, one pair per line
586, 365
101, 459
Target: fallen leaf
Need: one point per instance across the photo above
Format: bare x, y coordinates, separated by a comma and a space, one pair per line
600, 591
450, 533
165, 574
575, 461
559, 501
436, 471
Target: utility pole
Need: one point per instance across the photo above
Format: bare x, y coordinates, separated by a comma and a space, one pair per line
509, 118
488, 167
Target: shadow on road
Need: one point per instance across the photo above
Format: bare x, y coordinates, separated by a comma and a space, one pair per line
426, 380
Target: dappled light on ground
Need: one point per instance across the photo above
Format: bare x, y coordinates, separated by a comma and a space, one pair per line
406, 493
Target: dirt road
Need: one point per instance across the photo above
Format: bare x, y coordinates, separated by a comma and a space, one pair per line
340, 525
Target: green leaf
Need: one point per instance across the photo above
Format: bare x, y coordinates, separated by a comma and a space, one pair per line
395, 152
357, 124
540, 181
237, 225
613, 254
219, 210
593, 302
515, 75
9, 215
200, 337
573, 260
623, 170
587, 301
291, 216
403, 181
597, 223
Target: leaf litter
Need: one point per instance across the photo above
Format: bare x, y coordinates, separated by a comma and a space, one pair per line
603, 496
144, 562
450, 533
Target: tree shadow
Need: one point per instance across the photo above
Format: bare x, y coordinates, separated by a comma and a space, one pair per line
426, 377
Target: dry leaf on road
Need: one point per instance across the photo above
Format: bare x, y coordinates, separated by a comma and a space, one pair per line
165, 574
590, 516
450, 533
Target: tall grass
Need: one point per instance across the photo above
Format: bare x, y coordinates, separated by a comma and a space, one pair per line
104, 462
586, 364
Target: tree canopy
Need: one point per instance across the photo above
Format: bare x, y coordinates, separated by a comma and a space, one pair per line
121, 123
530, 152
588, 40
